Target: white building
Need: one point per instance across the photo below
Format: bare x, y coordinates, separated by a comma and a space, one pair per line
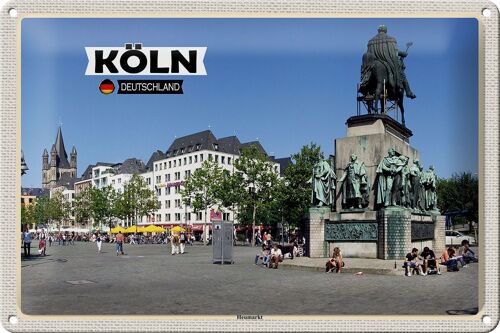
167, 172
117, 175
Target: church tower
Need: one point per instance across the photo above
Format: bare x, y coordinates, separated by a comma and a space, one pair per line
59, 167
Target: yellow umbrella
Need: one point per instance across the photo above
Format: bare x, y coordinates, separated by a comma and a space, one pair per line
177, 229
140, 229
150, 228
132, 229
159, 229
118, 229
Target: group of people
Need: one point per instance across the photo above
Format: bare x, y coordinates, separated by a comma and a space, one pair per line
178, 242
270, 256
431, 263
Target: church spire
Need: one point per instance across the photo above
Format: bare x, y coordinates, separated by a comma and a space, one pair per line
61, 151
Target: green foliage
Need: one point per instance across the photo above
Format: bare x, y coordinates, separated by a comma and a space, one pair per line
28, 217
102, 203
203, 189
460, 192
296, 191
137, 200
256, 181
82, 206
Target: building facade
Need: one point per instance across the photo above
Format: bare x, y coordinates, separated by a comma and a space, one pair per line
168, 171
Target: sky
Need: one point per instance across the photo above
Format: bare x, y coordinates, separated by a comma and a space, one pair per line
285, 82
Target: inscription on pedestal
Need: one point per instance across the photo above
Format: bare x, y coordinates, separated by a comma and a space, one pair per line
422, 231
351, 231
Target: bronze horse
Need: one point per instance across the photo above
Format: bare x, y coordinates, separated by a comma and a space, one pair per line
376, 75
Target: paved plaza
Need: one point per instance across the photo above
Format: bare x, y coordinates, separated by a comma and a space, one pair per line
76, 280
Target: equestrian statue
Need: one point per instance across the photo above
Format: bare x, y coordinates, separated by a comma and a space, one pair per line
383, 73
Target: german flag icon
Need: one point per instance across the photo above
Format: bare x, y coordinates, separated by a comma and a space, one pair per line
107, 87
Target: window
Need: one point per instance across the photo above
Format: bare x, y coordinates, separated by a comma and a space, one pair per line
195, 158
177, 216
159, 204
164, 165
119, 180
177, 203
167, 217
190, 148
198, 146
158, 217
175, 163
199, 216
167, 190
113, 182
158, 191
209, 157
187, 173
201, 157
185, 160
180, 162
222, 159
229, 160
188, 217
182, 150
177, 176
175, 152
167, 177
190, 159
177, 189
216, 158
225, 216
167, 203
158, 179
161, 166
169, 164
216, 146
148, 181
156, 167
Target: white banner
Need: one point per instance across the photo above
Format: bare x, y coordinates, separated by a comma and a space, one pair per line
145, 61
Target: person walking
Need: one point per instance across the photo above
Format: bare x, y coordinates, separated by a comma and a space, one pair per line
119, 243
182, 241
175, 244
50, 240
27, 243
98, 241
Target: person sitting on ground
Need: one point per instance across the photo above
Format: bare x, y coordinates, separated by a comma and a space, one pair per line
335, 261
264, 256
296, 252
468, 255
430, 262
448, 258
411, 263
276, 257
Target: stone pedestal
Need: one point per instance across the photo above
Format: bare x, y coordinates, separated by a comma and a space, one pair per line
389, 233
370, 137
315, 232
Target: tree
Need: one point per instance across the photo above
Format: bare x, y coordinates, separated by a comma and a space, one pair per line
202, 189
82, 206
58, 208
295, 191
28, 215
257, 179
459, 193
102, 202
137, 200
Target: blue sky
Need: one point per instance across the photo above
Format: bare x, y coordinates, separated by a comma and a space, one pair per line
287, 82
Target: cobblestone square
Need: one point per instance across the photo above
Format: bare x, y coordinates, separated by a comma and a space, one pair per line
147, 280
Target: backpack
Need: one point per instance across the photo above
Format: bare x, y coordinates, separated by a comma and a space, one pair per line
452, 266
